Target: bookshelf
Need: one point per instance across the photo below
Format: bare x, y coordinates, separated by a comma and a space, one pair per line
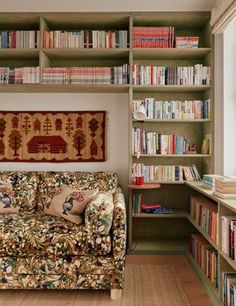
147, 233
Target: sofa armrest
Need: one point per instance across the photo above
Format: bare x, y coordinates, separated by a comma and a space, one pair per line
119, 225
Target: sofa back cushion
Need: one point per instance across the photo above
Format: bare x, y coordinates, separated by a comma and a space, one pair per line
99, 213
70, 203
24, 186
51, 181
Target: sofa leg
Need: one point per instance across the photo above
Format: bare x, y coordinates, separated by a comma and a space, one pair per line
116, 294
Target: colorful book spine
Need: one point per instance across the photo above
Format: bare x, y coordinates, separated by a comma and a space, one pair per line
162, 75
86, 75
93, 39
164, 173
205, 214
19, 39
228, 235
153, 37
205, 256
229, 288
186, 41
23, 75
144, 142
195, 109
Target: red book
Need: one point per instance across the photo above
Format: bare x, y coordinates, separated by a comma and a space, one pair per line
149, 206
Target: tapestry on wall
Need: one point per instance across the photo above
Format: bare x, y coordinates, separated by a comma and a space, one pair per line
52, 136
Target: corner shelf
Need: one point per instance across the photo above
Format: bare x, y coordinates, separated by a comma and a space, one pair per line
173, 121
177, 213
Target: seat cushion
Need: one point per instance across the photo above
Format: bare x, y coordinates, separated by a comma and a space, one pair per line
51, 181
29, 234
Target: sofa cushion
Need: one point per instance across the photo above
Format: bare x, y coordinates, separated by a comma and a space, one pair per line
24, 185
7, 200
70, 203
50, 181
99, 213
48, 236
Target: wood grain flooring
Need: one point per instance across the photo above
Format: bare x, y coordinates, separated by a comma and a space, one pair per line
150, 281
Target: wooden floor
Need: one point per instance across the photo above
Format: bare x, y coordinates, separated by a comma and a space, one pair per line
190, 287
195, 292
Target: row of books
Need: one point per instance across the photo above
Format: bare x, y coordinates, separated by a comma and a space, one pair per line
228, 238
186, 42
19, 39
144, 142
25, 75
196, 109
85, 39
156, 75
86, 75
205, 256
205, 214
222, 186
165, 173
229, 288
153, 37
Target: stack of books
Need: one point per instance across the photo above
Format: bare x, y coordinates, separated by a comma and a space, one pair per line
186, 41
225, 187
209, 180
205, 256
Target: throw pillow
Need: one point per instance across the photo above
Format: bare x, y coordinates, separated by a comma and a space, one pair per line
70, 203
7, 199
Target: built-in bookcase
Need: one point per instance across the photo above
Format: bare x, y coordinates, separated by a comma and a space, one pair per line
147, 233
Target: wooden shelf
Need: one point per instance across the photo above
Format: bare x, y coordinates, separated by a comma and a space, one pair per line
49, 88
23, 53
173, 120
170, 53
167, 182
75, 53
174, 155
176, 214
145, 186
159, 246
170, 88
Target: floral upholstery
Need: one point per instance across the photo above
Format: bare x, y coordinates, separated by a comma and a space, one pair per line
48, 236
41, 251
99, 213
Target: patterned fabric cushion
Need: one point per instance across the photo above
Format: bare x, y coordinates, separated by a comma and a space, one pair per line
99, 213
50, 181
70, 203
48, 236
24, 188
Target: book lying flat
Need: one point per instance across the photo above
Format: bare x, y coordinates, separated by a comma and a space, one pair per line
225, 195
148, 206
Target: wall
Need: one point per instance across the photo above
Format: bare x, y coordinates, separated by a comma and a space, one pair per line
229, 100
116, 106
219, 8
105, 5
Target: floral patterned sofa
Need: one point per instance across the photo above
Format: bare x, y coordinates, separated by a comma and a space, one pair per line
43, 251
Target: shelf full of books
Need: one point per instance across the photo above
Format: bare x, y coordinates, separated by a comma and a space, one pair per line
165, 173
